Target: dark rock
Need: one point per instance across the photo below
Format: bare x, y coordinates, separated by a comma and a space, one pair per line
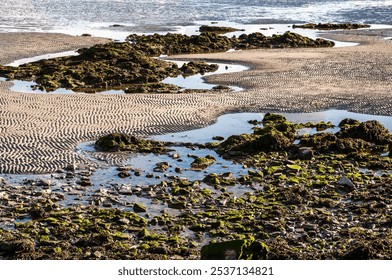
331, 26
370, 131
14, 247
273, 118
203, 162
305, 153
218, 138
161, 167
218, 29
348, 122
321, 141
124, 174
137, 207
235, 250
345, 181
122, 142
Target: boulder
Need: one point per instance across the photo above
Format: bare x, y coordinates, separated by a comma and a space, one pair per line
203, 162
115, 142
370, 131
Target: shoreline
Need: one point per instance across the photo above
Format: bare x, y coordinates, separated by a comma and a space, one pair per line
39, 132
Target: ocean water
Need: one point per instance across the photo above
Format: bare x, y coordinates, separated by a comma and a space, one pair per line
71, 16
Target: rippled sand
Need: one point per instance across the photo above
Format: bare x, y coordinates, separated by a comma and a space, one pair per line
39, 132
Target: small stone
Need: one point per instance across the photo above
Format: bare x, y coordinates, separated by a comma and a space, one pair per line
175, 156
137, 207
345, 181
124, 221
178, 170
43, 183
124, 168
98, 254
305, 153
161, 167
126, 190
124, 174
218, 138
71, 167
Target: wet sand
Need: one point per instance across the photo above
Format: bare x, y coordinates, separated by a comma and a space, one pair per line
39, 132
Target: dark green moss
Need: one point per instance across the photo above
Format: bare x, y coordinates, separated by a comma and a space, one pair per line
115, 142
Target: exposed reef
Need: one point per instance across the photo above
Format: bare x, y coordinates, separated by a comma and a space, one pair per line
323, 195
131, 66
331, 26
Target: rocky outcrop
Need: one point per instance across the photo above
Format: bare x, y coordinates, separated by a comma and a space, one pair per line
218, 29
116, 142
331, 26
131, 66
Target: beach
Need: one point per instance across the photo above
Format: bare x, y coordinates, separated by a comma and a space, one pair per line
39, 132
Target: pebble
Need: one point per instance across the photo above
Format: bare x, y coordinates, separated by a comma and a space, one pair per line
345, 181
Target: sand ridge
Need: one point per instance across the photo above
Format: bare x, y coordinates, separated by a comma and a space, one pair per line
39, 132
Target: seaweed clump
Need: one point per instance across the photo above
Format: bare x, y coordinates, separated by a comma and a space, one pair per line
276, 135
116, 142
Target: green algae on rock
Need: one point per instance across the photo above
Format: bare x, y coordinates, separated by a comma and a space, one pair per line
131, 66
116, 142
203, 162
235, 250
117, 66
332, 205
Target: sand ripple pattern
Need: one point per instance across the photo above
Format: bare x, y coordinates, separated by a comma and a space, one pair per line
39, 132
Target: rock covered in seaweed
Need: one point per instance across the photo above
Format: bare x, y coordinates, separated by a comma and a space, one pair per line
276, 135
115, 142
235, 250
370, 131
131, 66
218, 29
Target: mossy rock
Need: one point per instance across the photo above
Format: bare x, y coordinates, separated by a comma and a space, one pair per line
273, 118
203, 162
133, 68
370, 131
138, 208
348, 122
115, 142
235, 250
